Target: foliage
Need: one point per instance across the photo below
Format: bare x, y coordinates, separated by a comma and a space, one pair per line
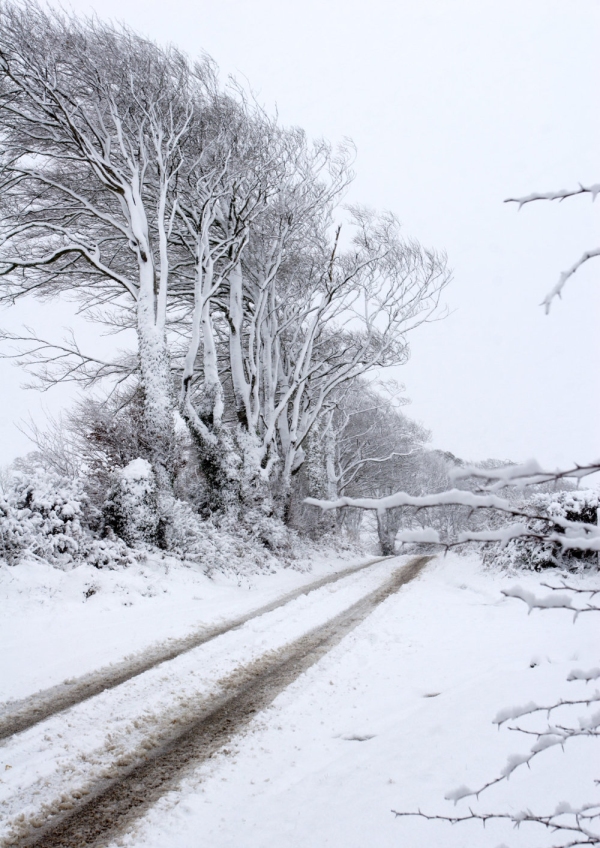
131, 510
41, 516
541, 550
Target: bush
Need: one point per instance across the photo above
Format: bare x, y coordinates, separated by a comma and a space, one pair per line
41, 515
537, 554
110, 553
131, 509
46, 515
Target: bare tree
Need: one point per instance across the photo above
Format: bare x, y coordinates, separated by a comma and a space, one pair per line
567, 534
352, 319
165, 205
371, 446
93, 119
280, 317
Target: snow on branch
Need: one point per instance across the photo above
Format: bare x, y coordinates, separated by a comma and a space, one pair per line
557, 290
529, 473
518, 712
559, 600
453, 496
550, 737
556, 195
565, 819
572, 822
547, 529
560, 196
577, 824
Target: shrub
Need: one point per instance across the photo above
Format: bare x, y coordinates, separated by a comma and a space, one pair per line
537, 554
41, 515
131, 509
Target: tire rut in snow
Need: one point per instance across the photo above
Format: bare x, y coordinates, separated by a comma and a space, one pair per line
17, 716
112, 805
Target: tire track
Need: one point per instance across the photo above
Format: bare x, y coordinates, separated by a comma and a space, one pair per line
111, 806
16, 716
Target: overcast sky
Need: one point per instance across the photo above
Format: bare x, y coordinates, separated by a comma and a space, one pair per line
453, 106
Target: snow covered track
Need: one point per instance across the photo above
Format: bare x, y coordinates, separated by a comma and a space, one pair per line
17, 716
84, 775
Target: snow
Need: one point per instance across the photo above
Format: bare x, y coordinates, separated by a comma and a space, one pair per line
137, 469
420, 681
56, 625
514, 712
578, 674
458, 497
426, 535
556, 599
396, 716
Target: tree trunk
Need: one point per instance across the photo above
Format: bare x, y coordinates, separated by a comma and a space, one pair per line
386, 531
157, 391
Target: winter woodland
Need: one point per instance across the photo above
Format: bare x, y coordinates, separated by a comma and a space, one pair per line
169, 206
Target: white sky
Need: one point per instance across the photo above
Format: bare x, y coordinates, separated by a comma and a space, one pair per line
453, 105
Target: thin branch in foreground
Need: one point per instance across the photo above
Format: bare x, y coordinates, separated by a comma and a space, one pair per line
577, 824
560, 195
557, 290
590, 254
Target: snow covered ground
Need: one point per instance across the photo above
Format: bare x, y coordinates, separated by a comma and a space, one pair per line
395, 716
56, 625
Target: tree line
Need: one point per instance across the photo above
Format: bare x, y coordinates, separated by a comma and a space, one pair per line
175, 207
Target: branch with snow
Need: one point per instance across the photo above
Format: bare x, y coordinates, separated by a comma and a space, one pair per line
573, 822
565, 819
578, 824
561, 195
574, 535
559, 600
557, 290
529, 473
555, 525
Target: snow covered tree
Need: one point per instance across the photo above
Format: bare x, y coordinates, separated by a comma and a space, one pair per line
374, 448
278, 318
355, 319
364, 442
568, 531
255, 193
92, 120
131, 182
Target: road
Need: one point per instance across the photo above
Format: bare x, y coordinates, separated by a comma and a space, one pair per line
89, 766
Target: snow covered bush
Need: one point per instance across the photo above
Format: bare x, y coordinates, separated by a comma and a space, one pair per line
542, 551
14, 535
264, 528
41, 515
182, 531
131, 509
111, 553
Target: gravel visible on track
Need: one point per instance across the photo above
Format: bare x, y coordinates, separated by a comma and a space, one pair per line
16, 716
112, 805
